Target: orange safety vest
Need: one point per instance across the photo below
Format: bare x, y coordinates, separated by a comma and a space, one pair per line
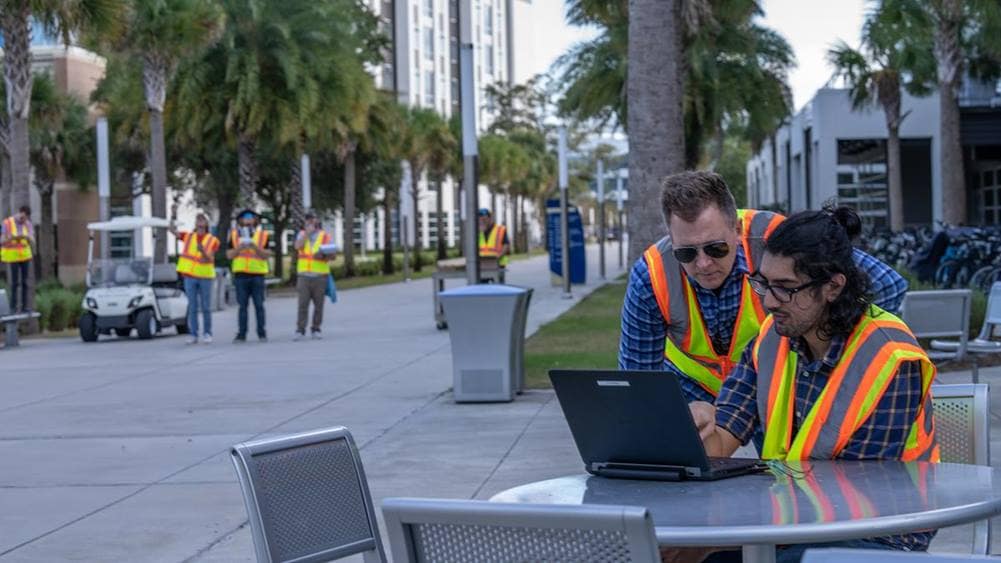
493, 246
688, 345
306, 262
246, 261
16, 250
874, 351
190, 262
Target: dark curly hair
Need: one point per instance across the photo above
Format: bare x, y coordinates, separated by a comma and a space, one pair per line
819, 244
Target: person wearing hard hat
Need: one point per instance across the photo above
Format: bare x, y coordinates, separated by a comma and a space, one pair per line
196, 265
249, 256
493, 238
313, 270
16, 239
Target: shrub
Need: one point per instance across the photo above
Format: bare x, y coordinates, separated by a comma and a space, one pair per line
59, 307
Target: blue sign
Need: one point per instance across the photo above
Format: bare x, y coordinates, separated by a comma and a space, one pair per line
578, 261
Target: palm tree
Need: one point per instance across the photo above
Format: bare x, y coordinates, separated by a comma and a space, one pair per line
161, 33
424, 128
875, 75
964, 36
442, 150
62, 146
655, 91
16, 17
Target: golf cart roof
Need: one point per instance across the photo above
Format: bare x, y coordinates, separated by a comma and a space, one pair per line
129, 223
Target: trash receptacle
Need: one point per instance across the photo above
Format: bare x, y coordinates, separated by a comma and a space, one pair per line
486, 324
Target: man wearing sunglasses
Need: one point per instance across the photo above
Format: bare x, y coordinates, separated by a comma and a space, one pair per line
828, 376
689, 307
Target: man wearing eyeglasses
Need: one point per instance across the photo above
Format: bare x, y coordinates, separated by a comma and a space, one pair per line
828, 376
689, 308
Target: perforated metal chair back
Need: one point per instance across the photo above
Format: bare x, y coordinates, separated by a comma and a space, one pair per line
962, 429
307, 498
992, 317
434, 531
939, 313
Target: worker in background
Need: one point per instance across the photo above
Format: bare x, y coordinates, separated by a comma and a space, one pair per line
313, 271
249, 256
196, 265
493, 238
16, 239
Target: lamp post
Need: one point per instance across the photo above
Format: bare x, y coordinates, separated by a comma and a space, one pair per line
103, 184
564, 213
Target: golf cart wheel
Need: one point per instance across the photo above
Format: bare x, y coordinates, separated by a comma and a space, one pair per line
146, 324
88, 327
123, 332
182, 328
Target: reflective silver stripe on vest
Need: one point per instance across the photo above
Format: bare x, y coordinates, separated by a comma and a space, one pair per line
867, 351
677, 325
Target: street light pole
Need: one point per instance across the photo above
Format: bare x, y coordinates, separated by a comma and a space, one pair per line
470, 181
307, 182
601, 217
103, 184
564, 213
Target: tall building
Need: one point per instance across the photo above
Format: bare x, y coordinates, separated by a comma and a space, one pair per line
422, 68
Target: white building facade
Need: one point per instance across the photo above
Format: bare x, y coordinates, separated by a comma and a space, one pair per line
422, 68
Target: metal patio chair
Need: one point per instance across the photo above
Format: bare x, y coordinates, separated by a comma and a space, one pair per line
307, 498
426, 530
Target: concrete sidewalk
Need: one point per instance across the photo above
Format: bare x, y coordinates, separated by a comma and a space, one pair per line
118, 450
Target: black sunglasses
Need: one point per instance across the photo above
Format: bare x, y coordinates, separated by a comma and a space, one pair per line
716, 249
781, 294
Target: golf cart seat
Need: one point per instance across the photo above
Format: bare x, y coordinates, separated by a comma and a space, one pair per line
125, 274
164, 274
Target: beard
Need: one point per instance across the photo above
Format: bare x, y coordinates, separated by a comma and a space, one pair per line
795, 326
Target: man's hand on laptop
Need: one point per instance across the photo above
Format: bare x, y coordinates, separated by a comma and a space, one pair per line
704, 415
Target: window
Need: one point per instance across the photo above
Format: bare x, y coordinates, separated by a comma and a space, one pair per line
429, 88
429, 8
861, 175
488, 20
488, 59
990, 191
429, 43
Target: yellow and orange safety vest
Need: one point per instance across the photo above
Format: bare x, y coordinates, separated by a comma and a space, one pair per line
18, 249
874, 351
689, 346
247, 261
307, 262
493, 246
190, 262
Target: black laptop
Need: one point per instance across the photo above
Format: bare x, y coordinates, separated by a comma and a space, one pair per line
637, 425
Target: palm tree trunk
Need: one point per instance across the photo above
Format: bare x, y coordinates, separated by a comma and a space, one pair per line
415, 177
298, 215
949, 58
516, 240
246, 149
155, 91
655, 90
16, 31
158, 170
888, 94
513, 226
439, 214
5, 183
349, 213
46, 232
387, 231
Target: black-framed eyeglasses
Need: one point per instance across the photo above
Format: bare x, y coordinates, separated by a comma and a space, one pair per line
716, 249
780, 293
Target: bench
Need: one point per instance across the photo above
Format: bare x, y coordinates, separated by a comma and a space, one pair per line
10, 320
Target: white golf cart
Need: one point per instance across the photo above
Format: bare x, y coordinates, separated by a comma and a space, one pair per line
127, 293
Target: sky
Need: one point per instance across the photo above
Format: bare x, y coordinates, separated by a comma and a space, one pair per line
810, 26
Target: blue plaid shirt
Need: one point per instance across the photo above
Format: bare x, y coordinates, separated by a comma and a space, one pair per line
641, 345
882, 436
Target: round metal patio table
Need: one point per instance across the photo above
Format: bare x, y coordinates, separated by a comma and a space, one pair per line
813, 502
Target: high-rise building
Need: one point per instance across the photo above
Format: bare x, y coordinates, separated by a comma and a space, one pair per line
422, 68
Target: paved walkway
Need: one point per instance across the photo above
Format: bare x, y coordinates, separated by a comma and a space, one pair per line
118, 450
